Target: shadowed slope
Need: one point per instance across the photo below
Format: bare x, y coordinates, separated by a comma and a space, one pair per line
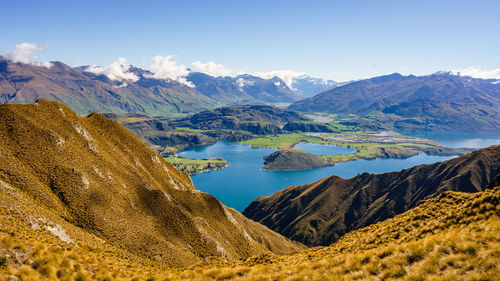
96, 175
321, 212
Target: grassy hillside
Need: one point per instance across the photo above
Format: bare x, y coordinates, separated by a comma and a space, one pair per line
91, 175
452, 237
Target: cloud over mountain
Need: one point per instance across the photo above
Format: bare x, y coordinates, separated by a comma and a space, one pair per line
477, 72
165, 68
287, 76
25, 53
213, 69
117, 70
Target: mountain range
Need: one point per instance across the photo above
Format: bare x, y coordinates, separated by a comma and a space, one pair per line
243, 89
440, 101
85, 91
321, 212
437, 102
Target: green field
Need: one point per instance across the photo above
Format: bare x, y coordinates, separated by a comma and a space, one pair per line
193, 166
190, 130
282, 141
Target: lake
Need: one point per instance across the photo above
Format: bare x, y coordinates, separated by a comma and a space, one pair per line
237, 185
458, 139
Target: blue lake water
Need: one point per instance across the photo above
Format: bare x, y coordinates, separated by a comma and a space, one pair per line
324, 149
458, 139
237, 185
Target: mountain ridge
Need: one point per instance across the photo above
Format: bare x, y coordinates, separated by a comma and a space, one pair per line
432, 102
97, 176
321, 212
86, 91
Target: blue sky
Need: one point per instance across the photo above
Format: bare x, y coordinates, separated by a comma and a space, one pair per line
340, 40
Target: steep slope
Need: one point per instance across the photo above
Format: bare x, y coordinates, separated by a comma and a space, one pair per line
321, 212
257, 119
434, 102
100, 180
451, 237
86, 92
242, 89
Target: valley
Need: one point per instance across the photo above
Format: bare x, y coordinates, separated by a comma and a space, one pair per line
270, 127
55, 235
250, 141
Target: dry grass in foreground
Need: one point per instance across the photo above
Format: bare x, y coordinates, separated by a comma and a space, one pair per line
455, 236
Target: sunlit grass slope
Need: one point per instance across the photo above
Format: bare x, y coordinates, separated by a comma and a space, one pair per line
98, 178
452, 237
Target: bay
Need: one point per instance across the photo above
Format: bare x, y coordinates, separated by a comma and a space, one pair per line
244, 180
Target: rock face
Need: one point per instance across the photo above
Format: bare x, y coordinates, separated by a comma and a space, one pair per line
321, 212
101, 179
257, 119
291, 160
433, 102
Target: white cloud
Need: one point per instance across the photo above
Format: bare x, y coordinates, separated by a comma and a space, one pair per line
241, 82
165, 68
123, 85
213, 69
117, 70
477, 72
25, 53
287, 76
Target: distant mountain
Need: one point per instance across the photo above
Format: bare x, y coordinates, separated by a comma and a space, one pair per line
434, 102
257, 119
321, 212
308, 86
243, 89
87, 181
87, 92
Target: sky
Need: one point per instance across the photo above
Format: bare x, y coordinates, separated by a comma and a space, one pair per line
339, 40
